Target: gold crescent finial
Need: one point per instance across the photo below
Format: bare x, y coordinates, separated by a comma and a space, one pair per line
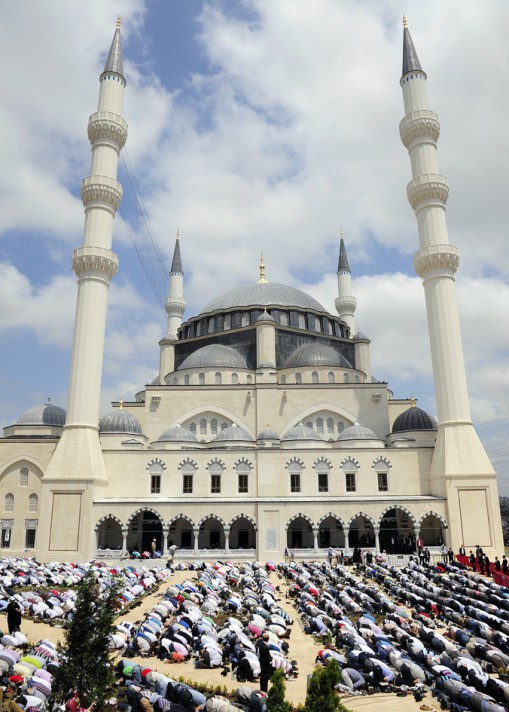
121, 404
413, 401
262, 279
178, 234
118, 22
341, 233
404, 22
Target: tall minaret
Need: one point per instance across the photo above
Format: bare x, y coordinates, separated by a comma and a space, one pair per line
175, 305
77, 463
461, 470
345, 302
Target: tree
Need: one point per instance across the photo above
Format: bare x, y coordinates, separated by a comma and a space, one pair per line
322, 695
276, 701
86, 662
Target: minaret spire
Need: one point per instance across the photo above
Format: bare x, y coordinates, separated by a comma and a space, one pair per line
460, 470
345, 302
175, 305
78, 459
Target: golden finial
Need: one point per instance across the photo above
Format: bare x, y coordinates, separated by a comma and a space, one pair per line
121, 404
413, 401
262, 279
178, 234
404, 22
118, 22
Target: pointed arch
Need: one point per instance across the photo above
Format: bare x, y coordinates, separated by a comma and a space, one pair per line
216, 517
321, 462
323, 408
382, 460
299, 516
215, 461
295, 461
156, 465
246, 517
104, 519
401, 509
350, 461
367, 517
432, 513
244, 462
333, 516
140, 510
187, 464
181, 516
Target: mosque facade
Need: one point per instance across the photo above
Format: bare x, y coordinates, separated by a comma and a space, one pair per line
264, 428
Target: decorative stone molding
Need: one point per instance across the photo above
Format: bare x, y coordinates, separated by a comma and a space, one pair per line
105, 125
244, 462
432, 514
216, 517
215, 461
443, 256
101, 190
300, 516
175, 308
322, 461
105, 519
295, 461
382, 461
431, 187
95, 259
173, 520
332, 516
345, 305
401, 509
350, 461
246, 517
156, 463
145, 509
419, 124
187, 464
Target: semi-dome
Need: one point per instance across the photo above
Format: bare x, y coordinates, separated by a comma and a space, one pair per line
46, 414
177, 434
214, 356
233, 433
301, 432
316, 354
414, 419
120, 421
357, 431
268, 434
264, 294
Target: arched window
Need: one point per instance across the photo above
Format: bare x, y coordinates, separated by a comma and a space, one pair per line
192, 428
23, 477
283, 380
187, 379
213, 426
215, 470
301, 321
340, 426
201, 379
227, 324
235, 378
198, 328
350, 470
242, 469
319, 425
218, 379
33, 502
357, 379
295, 471
330, 377
5, 542
175, 380
244, 320
284, 320
322, 470
203, 426
309, 424
330, 424
249, 380
346, 378
9, 502
328, 327
30, 531
314, 377
298, 378
211, 325
224, 426
188, 469
317, 324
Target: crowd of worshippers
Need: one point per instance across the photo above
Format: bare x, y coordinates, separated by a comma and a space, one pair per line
385, 626
29, 583
252, 641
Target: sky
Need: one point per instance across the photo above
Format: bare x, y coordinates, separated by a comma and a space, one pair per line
255, 126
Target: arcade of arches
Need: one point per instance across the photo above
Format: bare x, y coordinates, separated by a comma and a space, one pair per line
395, 532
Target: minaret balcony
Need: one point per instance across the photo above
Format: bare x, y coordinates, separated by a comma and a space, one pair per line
430, 188
441, 256
422, 124
98, 260
109, 127
102, 191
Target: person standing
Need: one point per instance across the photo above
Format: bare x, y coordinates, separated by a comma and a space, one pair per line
266, 669
487, 565
462, 551
505, 565
153, 547
13, 616
472, 560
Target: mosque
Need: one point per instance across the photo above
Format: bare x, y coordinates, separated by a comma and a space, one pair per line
264, 428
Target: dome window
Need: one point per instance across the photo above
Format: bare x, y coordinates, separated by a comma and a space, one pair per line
330, 377
314, 377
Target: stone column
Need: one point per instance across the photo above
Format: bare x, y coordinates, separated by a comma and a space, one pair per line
196, 533
97, 539
125, 532
377, 538
315, 540
347, 532
166, 531
227, 541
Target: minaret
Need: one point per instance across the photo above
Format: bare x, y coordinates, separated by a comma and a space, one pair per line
175, 305
345, 302
78, 458
461, 470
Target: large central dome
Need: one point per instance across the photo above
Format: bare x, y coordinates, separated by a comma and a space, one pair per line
264, 294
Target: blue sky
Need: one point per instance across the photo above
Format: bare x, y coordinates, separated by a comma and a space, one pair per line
254, 126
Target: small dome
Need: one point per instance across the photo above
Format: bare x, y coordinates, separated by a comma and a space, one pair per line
357, 431
265, 316
233, 433
301, 432
414, 419
359, 336
214, 356
177, 434
46, 414
120, 421
268, 434
316, 354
